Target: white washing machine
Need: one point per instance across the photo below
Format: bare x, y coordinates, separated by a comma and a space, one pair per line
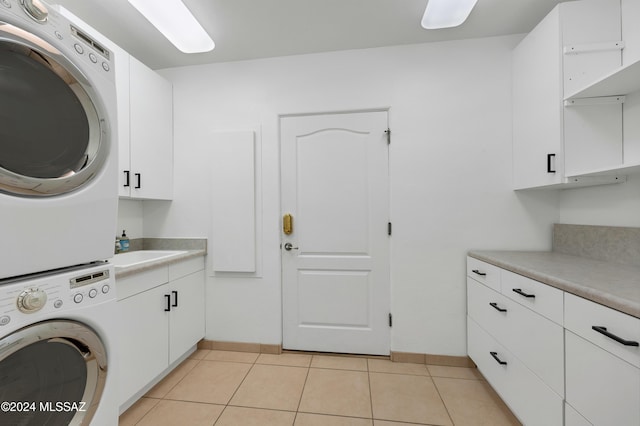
58, 149
58, 348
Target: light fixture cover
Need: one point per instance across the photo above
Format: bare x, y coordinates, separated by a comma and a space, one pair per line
176, 23
446, 13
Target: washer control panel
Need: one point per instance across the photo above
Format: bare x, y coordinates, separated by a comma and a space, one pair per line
24, 299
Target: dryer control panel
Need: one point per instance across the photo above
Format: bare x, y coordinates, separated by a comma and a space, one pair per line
25, 299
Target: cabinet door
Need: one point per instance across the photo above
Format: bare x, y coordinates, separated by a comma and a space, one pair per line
143, 326
186, 326
537, 107
600, 386
151, 133
122, 94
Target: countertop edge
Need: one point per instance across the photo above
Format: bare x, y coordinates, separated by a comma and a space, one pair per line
136, 269
595, 295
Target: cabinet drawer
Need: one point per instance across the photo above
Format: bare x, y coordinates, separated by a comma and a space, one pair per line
582, 315
186, 267
535, 340
539, 297
533, 402
573, 418
604, 389
137, 283
484, 273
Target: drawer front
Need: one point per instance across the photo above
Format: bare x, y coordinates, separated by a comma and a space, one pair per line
137, 283
604, 389
582, 315
185, 267
539, 297
573, 418
536, 341
533, 402
483, 272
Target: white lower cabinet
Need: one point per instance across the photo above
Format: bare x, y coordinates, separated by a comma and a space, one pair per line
161, 316
553, 357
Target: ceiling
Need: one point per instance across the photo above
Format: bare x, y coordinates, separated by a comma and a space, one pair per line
249, 29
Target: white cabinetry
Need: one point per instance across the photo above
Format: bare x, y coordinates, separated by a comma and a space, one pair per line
161, 315
516, 342
603, 370
145, 103
547, 352
553, 143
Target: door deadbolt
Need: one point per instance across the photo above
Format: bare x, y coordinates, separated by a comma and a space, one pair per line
287, 224
289, 247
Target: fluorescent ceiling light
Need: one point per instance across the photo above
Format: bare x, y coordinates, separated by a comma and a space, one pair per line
446, 13
176, 23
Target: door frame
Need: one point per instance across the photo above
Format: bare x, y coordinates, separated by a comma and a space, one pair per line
386, 109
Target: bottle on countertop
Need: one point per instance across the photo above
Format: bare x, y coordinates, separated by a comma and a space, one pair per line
124, 242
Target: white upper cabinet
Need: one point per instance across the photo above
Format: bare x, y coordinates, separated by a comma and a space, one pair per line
556, 138
145, 102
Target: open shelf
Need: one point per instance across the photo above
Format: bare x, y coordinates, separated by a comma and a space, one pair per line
622, 81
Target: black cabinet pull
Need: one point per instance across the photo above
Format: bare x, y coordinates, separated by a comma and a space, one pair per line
167, 298
482, 274
603, 330
495, 356
549, 157
175, 299
496, 307
139, 180
522, 293
127, 183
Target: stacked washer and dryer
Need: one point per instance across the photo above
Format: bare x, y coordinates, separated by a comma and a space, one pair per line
58, 213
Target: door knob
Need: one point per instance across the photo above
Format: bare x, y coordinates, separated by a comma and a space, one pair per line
289, 247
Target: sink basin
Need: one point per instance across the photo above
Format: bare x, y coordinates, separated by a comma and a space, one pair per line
135, 258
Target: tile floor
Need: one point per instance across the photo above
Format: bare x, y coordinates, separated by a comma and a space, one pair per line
238, 388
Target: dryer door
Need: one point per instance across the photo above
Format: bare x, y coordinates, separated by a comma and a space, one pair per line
52, 126
53, 372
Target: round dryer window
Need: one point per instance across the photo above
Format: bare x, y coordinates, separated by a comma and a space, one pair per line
54, 372
52, 135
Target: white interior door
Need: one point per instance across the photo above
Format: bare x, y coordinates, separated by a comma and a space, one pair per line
335, 185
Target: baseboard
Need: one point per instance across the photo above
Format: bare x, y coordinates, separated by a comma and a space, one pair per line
445, 360
415, 358
260, 348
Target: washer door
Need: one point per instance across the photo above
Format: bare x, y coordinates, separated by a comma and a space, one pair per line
53, 372
52, 128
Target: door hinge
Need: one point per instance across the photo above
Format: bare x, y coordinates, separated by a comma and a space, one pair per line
389, 228
390, 320
388, 132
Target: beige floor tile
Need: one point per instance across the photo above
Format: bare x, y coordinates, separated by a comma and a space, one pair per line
291, 360
307, 419
137, 411
388, 423
386, 366
405, 398
165, 385
340, 392
210, 381
271, 386
171, 413
473, 402
339, 362
247, 357
199, 354
241, 416
454, 372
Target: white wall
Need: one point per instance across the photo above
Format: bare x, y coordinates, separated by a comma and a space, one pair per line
130, 216
450, 166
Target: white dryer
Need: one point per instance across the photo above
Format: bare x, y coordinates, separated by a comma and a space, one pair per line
58, 348
58, 149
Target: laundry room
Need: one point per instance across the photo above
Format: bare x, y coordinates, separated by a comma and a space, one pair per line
470, 244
